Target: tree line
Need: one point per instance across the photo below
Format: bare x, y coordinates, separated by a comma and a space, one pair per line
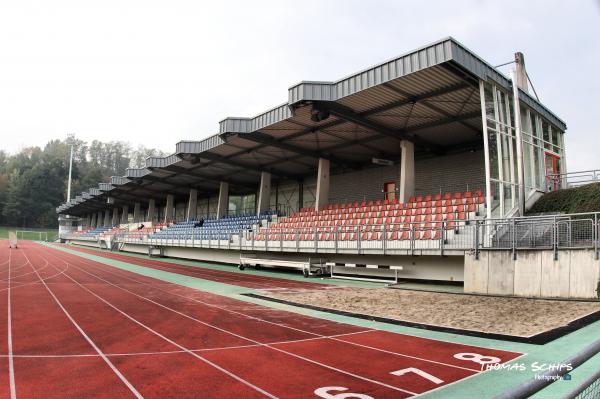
33, 182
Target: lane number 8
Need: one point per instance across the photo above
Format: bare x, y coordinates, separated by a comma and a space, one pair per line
477, 358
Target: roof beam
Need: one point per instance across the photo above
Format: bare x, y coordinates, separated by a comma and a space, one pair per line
327, 125
174, 169
349, 115
434, 107
408, 130
270, 141
226, 160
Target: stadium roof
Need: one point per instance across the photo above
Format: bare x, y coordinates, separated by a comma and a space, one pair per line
429, 96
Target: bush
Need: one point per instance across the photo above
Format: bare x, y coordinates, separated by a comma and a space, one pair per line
571, 200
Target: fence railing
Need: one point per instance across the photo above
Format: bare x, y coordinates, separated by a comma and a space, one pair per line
403, 238
573, 179
556, 233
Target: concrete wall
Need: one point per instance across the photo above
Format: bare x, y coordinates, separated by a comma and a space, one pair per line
533, 274
439, 268
449, 173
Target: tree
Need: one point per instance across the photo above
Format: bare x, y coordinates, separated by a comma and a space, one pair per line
33, 182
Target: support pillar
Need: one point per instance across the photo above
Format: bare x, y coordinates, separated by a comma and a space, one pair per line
192, 205
300, 195
407, 170
93, 222
115, 216
107, 217
520, 164
99, 221
223, 204
169, 208
137, 213
264, 193
322, 184
125, 215
151, 210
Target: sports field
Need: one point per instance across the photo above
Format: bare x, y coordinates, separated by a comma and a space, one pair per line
84, 323
26, 234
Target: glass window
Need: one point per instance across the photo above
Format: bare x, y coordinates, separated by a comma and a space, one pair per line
527, 165
493, 154
489, 105
496, 195
525, 126
546, 133
508, 197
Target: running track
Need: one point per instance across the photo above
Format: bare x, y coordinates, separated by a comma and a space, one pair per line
79, 329
233, 278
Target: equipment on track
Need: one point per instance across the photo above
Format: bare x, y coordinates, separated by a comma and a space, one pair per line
310, 267
12, 239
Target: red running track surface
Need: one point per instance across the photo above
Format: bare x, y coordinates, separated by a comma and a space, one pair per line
233, 278
82, 329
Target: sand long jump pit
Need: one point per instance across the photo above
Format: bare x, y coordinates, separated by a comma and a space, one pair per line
515, 319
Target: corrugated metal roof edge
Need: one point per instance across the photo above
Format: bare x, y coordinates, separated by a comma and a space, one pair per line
490, 73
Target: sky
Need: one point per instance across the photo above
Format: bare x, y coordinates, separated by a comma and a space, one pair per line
157, 72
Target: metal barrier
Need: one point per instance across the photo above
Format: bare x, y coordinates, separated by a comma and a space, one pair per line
588, 389
575, 231
574, 179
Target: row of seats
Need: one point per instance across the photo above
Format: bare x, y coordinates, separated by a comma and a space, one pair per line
471, 202
212, 229
426, 201
421, 218
95, 232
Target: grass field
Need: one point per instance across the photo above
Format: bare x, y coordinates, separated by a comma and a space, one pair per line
31, 234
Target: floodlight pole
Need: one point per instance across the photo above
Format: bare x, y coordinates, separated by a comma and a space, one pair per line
70, 171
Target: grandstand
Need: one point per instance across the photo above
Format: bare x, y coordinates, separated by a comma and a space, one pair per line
427, 161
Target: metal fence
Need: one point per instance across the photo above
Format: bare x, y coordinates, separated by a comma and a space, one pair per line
573, 231
589, 389
573, 179
556, 233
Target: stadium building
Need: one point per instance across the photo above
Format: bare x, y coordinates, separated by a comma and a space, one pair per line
420, 167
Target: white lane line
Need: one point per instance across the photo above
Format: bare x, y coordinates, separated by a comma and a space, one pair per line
232, 375
294, 328
87, 338
11, 366
217, 349
357, 376
13, 287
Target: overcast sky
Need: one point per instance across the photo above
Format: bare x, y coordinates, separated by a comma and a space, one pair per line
156, 72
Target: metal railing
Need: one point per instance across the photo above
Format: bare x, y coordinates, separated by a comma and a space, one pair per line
574, 179
401, 238
556, 233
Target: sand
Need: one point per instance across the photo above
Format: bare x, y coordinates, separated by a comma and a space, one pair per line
512, 316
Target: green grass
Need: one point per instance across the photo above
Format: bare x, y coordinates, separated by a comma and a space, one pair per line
32, 235
571, 200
